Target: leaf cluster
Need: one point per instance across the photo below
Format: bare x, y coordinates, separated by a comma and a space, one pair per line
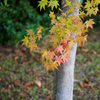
63, 27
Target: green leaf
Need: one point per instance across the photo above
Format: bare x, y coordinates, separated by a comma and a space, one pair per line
42, 4
53, 3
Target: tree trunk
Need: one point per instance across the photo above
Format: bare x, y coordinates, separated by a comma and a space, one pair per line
63, 79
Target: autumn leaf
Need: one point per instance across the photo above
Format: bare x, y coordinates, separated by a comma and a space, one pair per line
30, 32
48, 55
29, 83
44, 53
40, 28
64, 44
51, 15
47, 65
90, 11
42, 4
59, 49
68, 3
54, 39
51, 31
39, 36
32, 46
25, 40
77, 4
38, 82
97, 2
71, 43
53, 21
88, 4
53, 3
63, 14
89, 23
65, 58
79, 39
61, 30
17, 83
58, 60
1, 68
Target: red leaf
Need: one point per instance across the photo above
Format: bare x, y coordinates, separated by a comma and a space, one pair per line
60, 49
58, 60
65, 58
64, 44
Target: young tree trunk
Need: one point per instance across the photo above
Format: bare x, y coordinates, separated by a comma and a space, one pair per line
63, 79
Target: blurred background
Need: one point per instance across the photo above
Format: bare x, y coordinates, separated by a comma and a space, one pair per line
21, 74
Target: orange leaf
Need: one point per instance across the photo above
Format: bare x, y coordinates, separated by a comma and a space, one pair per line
1, 68
89, 23
29, 83
17, 83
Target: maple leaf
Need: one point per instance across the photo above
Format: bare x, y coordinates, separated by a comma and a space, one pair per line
44, 53
65, 57
60, 49
84, 39
39, 36
53, 21
48, 55
32, 47
54, 64
40, 27
25, 40
58, 60
97, 2
42, 4
79, 39
88, 4
80, 26
90, 11
30, 32
53, 3
63, 14
77, 4
82, 14
47, 65
71, 43
32, 38
56, 25
51, 15
54, 39
50, 65
68, 3
89, 23
64, 44
96, 10
68, 32
51, 31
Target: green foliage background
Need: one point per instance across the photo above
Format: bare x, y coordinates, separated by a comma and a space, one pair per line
20, 15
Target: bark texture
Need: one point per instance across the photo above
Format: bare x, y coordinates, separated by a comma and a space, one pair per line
63, 79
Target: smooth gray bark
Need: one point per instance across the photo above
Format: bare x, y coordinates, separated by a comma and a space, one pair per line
63, 79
